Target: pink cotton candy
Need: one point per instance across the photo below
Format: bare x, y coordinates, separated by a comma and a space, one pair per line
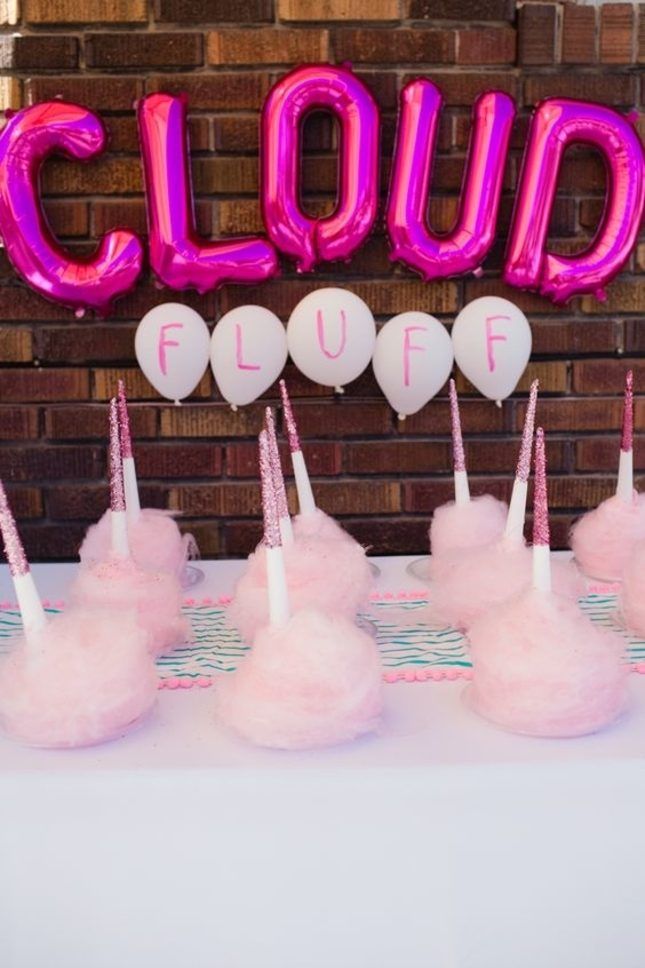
85, 678
156, 543
603, 538
317, 524
156, 597
330, 575
314, 682
463, 526
541, 667
632, 598
468, 583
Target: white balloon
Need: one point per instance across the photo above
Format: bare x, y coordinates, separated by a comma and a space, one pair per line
492, 341
412, 360
248, 353
331, 335
171, 345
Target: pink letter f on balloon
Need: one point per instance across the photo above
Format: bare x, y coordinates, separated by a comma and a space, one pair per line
491, 338
163, 343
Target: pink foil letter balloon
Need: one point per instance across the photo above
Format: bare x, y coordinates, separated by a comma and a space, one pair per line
311, 88
464, 248
178, 256
27, 139
558, 123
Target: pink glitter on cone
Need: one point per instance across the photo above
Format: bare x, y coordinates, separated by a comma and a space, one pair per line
627, 436
289, 419
541, 532
524, 461
458, 456
269, 502
276, 466
117, 489
13, 548
124, 421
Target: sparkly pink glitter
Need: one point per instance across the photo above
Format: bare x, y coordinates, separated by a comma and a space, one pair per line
117, 492
524, 460
289, 419
458, 456
269, 504
124, 422
13, 549
276, 466
541, 534
627, 437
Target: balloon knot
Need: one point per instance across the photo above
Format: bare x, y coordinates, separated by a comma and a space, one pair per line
401, 416
234, 407
478, 272
177, 403
601, 295
80, 312
498, 403
339, 389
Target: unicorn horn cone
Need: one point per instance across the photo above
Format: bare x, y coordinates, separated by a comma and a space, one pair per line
541, 530
29, 603
625, 485
133, 504
306, 500
276, 576
462, 490
118, 520
514, 530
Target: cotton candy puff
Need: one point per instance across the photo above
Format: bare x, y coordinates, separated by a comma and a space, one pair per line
156, 543
313, 682
603, 538
85, 678
463, 526
118, 584
332, 576
471, 582
542, 668
632, 597
317, 524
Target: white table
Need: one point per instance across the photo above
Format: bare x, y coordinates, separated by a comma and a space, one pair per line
443, 842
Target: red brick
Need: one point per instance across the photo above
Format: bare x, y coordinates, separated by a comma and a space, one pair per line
108, 215
52, 542
18, 423
606, 376
213, 92
43, 52
266, 45
90, 422
635, 336
16, 345
105, 380
477, 416
385, 298
219, 499
601, 453
358, 497
574, 336
99, 93
207, 534
424, 496
537, 33
495, 456
616, 33
378, 46
382, 536
42, 384
578, 34
164, 460
615, 89
384, 10
460, 9
104, 176
486, 45
212, 420
67, 218
624, 295
91, 11
51, 463
570, 414
343, 419
641, 34
22, 304
144, 50
25, 502
86, 343
213, 11
123, 133
552, 376
216, 176
323, 459
397, 457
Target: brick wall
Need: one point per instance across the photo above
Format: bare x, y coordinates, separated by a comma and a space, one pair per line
56, 372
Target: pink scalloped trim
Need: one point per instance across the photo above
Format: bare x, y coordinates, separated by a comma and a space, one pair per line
179, 682
422, 675
638, 667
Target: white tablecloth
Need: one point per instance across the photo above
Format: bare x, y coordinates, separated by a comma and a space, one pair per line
442, 842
